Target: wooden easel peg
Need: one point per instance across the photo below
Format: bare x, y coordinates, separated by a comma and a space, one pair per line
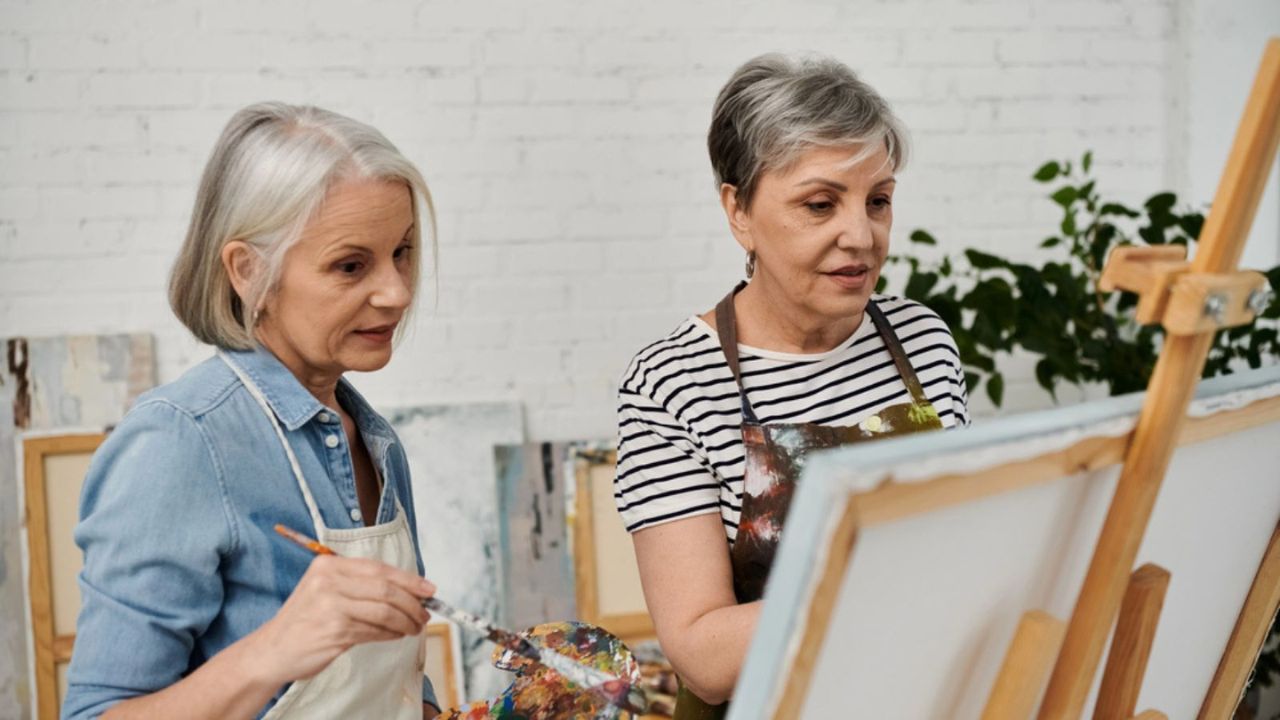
1131, 643
1147, 271
1026, 667
1150, 715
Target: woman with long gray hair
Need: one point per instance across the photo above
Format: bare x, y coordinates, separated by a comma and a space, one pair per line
301, 264
716, 418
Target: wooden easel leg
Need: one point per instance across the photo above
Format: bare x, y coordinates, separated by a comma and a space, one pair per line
1247, 638
1026, 667
1131, 644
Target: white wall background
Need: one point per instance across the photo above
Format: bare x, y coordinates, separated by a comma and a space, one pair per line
564, 142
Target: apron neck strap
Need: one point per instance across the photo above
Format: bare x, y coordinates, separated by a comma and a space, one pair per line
253, 389
727, 331
899, 354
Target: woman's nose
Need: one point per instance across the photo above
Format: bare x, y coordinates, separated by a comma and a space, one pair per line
392, 290
856, 231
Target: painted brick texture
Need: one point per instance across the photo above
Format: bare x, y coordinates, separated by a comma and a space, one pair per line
564, 143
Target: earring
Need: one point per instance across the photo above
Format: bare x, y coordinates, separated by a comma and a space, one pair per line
751, 264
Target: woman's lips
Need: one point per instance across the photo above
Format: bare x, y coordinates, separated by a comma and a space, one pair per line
852, 277
381, 334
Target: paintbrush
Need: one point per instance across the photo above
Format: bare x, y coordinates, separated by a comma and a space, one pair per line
615, 689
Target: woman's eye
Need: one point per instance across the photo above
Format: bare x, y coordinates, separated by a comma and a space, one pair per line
819, 206
403, 252
350, 267
881, 201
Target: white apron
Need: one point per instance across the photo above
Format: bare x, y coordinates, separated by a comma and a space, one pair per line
375, 680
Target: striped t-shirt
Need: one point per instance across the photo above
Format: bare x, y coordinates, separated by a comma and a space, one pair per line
680, 415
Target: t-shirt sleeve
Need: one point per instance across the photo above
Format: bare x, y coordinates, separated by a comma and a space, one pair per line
663, 473
957, 387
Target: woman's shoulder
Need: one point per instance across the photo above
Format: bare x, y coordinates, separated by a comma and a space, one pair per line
689, 347
910, 317
195, 393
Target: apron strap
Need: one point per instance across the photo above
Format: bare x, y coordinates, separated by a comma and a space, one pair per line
727, 330
899, 354
252, 387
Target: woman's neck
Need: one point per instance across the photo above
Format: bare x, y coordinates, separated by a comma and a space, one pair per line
767, 321
323, 385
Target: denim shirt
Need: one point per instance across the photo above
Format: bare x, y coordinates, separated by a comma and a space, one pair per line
177, 516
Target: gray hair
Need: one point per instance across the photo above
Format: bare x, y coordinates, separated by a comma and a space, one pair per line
774, 107
266, 177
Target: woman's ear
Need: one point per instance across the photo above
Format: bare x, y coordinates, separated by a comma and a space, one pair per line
241, 263
737, 217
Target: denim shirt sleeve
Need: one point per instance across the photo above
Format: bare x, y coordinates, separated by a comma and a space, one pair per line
154, 528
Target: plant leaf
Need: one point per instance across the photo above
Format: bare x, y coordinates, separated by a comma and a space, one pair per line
919, 285
1051, 242
984, 261
922, 237
1047, 171
1113, 208
1065, 195
1086, 163
995, 389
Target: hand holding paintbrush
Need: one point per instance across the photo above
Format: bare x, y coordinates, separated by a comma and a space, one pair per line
619, 692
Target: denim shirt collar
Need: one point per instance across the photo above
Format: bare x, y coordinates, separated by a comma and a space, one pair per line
292, 403
296, 406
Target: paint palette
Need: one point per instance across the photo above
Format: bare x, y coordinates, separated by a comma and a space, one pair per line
541, 694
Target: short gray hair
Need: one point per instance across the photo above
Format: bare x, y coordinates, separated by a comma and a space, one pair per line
774, 107
266, 177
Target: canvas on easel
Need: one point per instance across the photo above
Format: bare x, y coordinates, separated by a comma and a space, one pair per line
906, 565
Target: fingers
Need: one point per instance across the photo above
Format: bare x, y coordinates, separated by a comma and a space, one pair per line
381, 620
370, 581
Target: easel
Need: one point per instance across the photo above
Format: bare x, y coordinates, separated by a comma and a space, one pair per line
1192, 301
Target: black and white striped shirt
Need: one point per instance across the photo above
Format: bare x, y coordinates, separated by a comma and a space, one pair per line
680, 416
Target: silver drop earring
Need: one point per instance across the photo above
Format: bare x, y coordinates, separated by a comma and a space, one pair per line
751, 264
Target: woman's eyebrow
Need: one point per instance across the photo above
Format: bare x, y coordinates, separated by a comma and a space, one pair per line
824, 181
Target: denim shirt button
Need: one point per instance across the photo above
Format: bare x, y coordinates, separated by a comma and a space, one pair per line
324, 417
331, 441
356, 514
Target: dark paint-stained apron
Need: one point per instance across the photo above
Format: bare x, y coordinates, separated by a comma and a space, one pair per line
775, 456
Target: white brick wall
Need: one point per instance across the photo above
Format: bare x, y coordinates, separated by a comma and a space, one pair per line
564, 142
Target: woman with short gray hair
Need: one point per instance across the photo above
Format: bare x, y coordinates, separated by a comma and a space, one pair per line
716, 418
300, 264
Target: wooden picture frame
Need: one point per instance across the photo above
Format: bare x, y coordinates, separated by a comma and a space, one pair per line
53, 473
442, 638
606, 577
847, 497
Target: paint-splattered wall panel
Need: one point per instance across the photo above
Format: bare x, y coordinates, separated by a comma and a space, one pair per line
537, 568
450, 450
45, 384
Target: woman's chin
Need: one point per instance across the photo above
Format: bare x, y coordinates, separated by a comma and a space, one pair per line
366, 360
